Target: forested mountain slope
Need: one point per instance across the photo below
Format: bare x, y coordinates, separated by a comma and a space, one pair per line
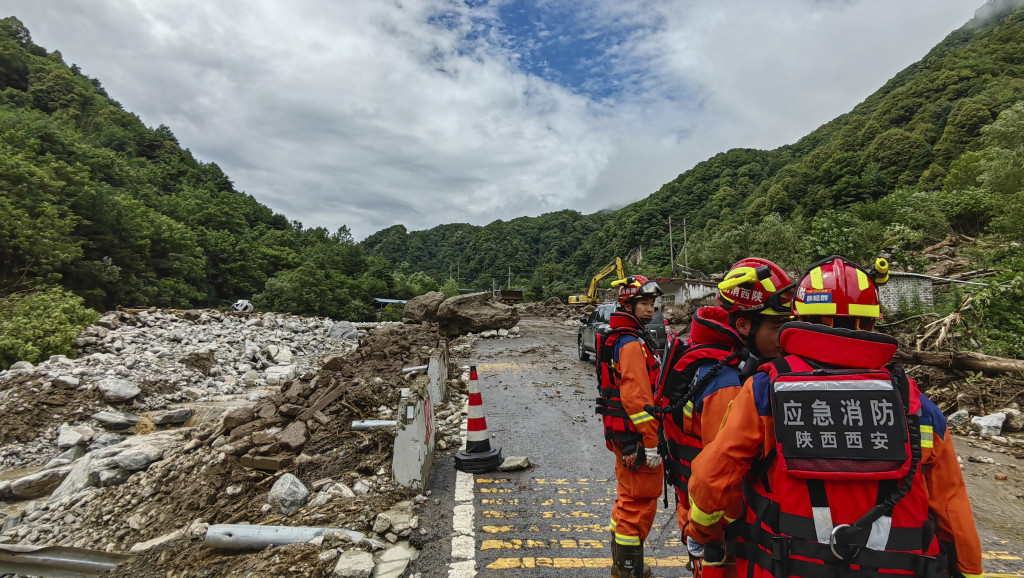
119, 214
909, 165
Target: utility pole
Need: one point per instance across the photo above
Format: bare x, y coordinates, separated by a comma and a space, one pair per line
509, 277
686, 254
671, 250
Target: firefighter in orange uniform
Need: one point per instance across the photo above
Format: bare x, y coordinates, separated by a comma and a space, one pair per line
725, 344
627, 369
845, 467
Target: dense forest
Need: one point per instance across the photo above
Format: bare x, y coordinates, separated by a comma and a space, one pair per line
98, 210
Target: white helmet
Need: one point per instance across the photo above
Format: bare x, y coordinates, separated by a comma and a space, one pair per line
242, 306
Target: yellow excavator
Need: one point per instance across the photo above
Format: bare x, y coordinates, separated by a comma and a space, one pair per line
591, 296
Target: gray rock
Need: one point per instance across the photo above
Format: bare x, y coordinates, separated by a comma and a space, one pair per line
77, 479
22, 365
107, 478
288, 494
280, 374
990, 425
489, 334
393, 562
66, 382
173, 416
354, 564
69, 437
66, 457
138, 456
474, 313
40, 483
105, 440
503, 333
343, 330
1014, 419
423, 308
959, 420
513, 463
5, 490
117, 389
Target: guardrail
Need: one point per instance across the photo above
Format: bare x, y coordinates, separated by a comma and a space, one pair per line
413, 458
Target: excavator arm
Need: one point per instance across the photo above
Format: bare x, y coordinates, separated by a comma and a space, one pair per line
614, 266
591, 296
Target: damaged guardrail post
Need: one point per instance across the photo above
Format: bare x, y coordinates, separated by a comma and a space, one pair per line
414, 444
413, 457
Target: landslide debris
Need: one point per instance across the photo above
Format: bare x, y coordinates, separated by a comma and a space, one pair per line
262, 396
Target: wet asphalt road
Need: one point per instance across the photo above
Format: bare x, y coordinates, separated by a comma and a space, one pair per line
552, 519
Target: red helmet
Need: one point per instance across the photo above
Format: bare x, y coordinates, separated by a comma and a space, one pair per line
758, 286
836, 287
636, 287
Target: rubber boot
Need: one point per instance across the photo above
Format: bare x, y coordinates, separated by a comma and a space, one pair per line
616, 555
630, 563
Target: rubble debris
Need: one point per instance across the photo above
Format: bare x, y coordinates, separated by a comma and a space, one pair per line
147, 482
514, 463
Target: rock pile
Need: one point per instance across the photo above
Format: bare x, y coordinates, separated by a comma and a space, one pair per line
109, 468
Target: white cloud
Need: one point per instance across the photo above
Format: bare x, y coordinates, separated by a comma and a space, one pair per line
365, 113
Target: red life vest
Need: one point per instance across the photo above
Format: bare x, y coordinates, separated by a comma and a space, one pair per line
617, 425
711, 339
847, 439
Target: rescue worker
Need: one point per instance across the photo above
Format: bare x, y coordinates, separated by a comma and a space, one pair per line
845, 467
725, 344
627, 369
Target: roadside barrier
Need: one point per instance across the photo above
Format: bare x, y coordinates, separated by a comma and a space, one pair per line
478, 457
413, 457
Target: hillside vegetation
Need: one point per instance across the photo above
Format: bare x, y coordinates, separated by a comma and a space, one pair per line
921, 158
98, 210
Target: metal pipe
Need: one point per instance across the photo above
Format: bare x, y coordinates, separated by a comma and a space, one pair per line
56, 561
248, 537
362, 425
413, 369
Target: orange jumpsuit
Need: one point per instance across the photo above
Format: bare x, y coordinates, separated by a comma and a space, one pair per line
638, 492
703, 419
746, 435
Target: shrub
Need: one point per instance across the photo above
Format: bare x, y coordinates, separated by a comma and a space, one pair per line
36, 325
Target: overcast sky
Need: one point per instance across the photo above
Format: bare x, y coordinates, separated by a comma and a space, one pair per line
369, 113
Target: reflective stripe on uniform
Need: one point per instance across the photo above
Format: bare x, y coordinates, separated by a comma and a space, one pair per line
639, 418
625, 540
927, 436
697, 515
688, 409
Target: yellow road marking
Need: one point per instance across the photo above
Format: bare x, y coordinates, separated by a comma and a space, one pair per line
500, 502
495, 491
532, 562
499, 514
995, 555
491, 481
498, 529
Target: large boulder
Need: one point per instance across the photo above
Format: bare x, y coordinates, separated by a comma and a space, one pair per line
423, 308
473, 313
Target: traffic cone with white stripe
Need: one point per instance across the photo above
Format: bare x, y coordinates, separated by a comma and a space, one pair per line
478, 457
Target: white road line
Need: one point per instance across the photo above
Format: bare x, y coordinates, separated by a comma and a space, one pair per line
464, 541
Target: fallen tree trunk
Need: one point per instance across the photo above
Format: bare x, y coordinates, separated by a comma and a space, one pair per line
961, 360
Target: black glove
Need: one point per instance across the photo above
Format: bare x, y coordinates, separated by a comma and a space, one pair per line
633, 455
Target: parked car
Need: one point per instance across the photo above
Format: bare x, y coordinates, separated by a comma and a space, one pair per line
597, 324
